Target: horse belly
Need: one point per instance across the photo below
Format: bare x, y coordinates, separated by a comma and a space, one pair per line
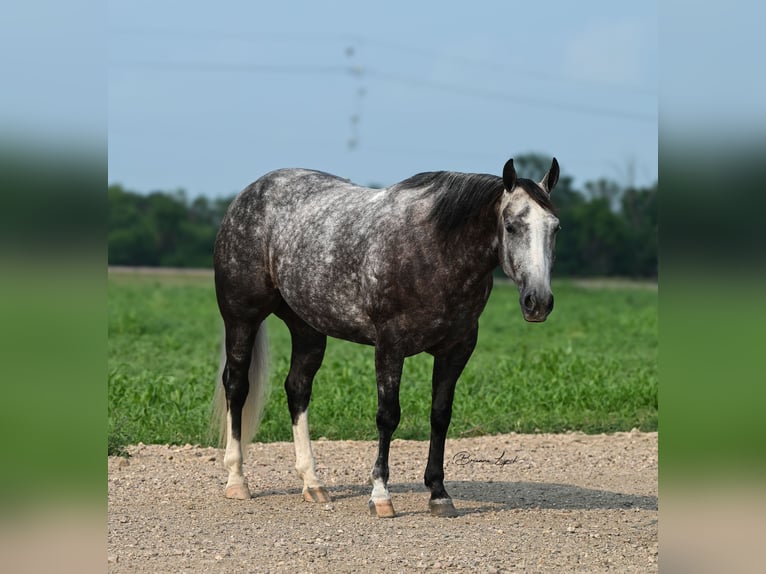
332, 309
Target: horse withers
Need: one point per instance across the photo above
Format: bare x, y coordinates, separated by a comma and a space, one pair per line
407, 269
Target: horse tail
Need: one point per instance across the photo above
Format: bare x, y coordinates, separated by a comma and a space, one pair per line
257, 394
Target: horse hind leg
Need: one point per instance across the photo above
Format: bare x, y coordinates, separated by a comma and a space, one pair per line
244, 380
308, 347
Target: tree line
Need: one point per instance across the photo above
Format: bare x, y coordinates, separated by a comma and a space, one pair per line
607, 229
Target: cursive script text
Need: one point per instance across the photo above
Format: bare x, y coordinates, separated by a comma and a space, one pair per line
464, 457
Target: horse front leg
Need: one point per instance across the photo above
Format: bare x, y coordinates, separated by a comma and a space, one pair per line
448, 366
388, 369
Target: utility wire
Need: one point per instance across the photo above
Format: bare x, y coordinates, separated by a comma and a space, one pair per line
223, 67
474, 63
408, 81
345, 39
521, 99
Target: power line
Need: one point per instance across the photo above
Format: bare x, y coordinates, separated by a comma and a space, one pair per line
474, 63
460, 61
223, 67
227, 35
521, 99
391, 78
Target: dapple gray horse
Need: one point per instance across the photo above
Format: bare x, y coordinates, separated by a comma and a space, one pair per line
407, 269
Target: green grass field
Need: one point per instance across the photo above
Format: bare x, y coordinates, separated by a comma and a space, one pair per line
592, 366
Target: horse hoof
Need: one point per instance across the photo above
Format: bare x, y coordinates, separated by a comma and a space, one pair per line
382, 509
318, 494
237, 492
442, 507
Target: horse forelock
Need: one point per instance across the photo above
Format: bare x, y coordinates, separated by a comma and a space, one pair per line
538, 195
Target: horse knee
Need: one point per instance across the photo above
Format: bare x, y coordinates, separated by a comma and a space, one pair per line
388, 418
441, 416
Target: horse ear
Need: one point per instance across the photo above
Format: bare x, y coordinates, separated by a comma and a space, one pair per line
552, 177
509, 175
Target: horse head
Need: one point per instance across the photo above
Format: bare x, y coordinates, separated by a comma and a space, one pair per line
527, 238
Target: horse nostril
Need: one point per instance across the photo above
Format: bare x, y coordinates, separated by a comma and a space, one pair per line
529, 302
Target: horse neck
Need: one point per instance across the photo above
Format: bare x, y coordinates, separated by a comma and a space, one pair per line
477, 243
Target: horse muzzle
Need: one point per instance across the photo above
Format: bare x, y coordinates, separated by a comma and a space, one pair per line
536, 306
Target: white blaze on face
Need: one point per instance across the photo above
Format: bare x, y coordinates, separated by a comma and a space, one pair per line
527, 250
538, 257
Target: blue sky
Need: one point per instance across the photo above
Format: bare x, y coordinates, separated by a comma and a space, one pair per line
208, 97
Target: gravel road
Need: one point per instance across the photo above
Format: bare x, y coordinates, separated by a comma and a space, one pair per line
526, 503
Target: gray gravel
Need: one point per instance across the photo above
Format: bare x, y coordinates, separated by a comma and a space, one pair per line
561, 503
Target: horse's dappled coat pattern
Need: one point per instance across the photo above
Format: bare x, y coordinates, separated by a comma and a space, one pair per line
407, 269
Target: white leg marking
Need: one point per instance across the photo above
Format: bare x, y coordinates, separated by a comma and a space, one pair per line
304, 457
380, 500
232, 459
379, 490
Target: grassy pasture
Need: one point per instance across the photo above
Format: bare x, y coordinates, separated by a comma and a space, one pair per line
592, 366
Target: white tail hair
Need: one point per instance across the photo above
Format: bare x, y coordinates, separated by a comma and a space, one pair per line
257, 394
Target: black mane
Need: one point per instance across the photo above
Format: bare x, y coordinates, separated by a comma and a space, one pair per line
462, 196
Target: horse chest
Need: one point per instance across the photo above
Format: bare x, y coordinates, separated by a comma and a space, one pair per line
421, 321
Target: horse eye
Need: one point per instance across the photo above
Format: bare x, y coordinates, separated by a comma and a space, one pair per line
558, 228
509, 227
